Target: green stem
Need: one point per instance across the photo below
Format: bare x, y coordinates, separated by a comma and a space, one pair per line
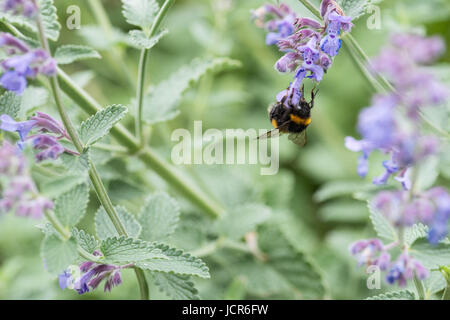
93, 173
140, 95
311, 8
114, 55
143, 61
65, 234
419, 287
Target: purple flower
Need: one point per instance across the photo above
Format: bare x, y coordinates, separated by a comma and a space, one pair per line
25, 7
404, 269
92, 274
23, 63
51, 149
19, 193
50, 146
22, 128
370, 252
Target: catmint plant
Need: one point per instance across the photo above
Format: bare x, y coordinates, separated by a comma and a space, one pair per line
309, 45
393, 125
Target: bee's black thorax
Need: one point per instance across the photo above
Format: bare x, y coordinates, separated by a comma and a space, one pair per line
291, 118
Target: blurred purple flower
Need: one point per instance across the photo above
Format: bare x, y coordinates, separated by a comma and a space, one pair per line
370, 252
19, 192
27, 8
404, 269
23, 63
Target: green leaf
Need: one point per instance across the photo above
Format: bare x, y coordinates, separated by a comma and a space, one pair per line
105, 228
49, 20
434, 283
341, 188
140, 13
382, 225
32, 98
355, 8
344, 211
177, 286
159, 217
10, 104
431, 256
291, 264
139, 40
76, 164
59, 185
242, 220
395, 295
70, 53
71, 206
58, 254
123, 250
415, 232
176, 262
85, 240
98, 125
161, 102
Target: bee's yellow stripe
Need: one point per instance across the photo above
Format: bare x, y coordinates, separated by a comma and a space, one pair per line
299, 120
274, 123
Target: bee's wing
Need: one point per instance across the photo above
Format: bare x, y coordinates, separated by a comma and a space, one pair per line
299, 139
269, 134
275, 132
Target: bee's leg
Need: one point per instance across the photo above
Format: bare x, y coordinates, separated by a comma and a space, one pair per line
313, 95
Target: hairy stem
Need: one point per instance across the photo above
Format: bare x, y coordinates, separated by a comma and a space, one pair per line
65, 234
143, 61
93, 173
419, 287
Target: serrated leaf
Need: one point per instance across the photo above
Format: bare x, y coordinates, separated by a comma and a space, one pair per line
71, 206
85, 240
160, 104
177, 286
139, 40
59, 185
76, 164
10, 104
291, 264
382, 226
105, 228
70, 53
140, 13
58, 254
123, 250
242, 220
431, 256
176, 262
49, 20
396, 295
415, 232
159, 217
98, 125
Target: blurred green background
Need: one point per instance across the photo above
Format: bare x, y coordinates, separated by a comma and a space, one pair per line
319, 223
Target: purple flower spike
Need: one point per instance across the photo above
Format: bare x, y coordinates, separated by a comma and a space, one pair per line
50, 146
12, 81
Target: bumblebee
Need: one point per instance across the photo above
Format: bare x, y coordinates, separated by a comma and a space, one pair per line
291, 119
